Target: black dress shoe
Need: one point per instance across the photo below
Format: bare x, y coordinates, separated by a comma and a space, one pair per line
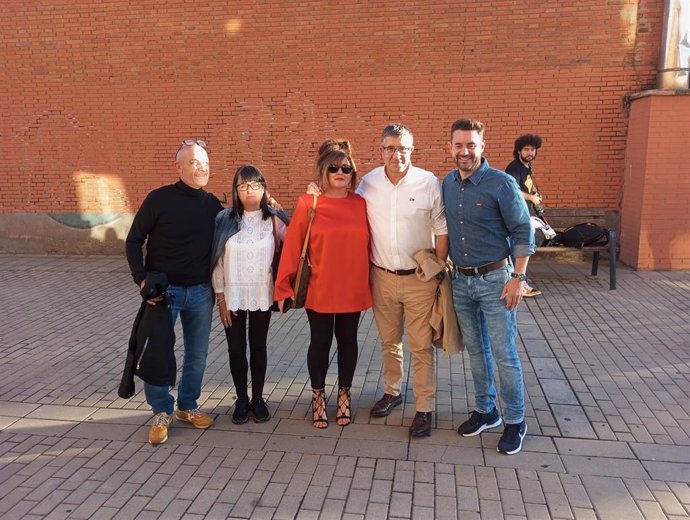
384, 406
421, 424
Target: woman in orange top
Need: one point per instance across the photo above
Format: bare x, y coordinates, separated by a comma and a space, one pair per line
339, 284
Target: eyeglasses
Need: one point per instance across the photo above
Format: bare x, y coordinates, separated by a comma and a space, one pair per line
192, 142
255, 186
345, 168
390, 150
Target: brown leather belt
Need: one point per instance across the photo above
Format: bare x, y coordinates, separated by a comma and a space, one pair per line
478, 271
399, 272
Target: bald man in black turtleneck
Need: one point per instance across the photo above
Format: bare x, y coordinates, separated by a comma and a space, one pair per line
176, 224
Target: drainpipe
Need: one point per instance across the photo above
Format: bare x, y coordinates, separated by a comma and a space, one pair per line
674, 55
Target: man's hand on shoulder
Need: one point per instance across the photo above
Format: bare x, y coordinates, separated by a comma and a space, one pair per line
313, 189
274, 204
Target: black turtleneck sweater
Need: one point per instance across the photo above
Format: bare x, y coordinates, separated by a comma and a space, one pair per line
176, 222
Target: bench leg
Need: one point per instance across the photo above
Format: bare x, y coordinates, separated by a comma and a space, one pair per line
595, 263
613, 249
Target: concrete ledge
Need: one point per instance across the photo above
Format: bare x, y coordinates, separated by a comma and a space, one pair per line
64, 233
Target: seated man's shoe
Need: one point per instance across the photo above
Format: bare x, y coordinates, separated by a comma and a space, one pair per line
159, 429
384, 406
528, 291
241, 413
478, 422
511, 440
195, 417
421, 424
259, 410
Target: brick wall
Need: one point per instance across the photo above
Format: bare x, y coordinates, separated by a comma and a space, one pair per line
655, 209
96, 95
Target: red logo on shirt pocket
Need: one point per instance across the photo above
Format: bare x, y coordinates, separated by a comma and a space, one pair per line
479, 205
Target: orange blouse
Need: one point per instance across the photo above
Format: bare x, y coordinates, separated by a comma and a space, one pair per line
338, 251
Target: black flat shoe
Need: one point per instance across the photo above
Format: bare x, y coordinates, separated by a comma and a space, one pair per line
241, 413
259, 410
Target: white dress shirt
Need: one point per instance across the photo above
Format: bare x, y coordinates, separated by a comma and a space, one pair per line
403, 218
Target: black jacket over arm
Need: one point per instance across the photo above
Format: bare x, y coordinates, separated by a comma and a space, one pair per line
151, 351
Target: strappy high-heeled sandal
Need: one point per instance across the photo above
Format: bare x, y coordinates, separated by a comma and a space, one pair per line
344, 416
318, 407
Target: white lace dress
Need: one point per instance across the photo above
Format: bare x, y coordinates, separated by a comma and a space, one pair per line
243, 272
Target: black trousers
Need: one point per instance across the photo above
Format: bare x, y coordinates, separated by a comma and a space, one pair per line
237, 350
323, 326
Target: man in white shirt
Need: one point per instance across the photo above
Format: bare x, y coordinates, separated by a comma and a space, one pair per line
405, 212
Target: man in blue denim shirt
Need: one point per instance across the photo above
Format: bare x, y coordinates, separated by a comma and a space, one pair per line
488, 222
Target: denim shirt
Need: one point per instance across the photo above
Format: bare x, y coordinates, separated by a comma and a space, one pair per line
227, 224
486, 214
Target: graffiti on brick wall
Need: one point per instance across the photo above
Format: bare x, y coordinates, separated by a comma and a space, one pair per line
56, 154
281, 138
82, 176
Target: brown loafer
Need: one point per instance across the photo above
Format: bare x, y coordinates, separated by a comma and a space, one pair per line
384, 406
421, 424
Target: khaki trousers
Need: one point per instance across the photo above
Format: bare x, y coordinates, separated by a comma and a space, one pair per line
400, 301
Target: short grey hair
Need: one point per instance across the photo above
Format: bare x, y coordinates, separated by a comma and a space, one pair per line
395, 130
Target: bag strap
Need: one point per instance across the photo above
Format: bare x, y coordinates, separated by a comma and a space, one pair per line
276, 240
312, 214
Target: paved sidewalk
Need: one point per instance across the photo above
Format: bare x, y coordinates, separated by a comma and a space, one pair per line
608, 386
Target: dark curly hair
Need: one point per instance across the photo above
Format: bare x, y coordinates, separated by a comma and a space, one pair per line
526, 140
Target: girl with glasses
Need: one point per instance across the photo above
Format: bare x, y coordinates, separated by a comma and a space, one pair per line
244, 256
339, 284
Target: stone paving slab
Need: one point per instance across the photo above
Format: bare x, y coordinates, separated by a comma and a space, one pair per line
14, 409
67, 413
592, 448
116, 416
608, 390
40, 426
669, 471
660, 452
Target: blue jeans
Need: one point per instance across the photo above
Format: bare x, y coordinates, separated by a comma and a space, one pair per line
194, 304
489, 331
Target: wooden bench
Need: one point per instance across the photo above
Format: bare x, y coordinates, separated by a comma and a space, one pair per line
561, 218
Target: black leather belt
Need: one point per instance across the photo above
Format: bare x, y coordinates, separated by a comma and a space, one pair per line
399, 272
478, 271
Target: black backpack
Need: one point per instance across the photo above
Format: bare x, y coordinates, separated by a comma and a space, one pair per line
580, 235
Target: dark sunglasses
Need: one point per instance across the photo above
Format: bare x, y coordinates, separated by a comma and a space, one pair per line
345, 168
192, 142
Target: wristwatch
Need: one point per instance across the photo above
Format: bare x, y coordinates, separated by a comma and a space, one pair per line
520, 276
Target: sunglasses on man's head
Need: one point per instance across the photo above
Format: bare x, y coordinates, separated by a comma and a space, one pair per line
192, 142
345, 168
